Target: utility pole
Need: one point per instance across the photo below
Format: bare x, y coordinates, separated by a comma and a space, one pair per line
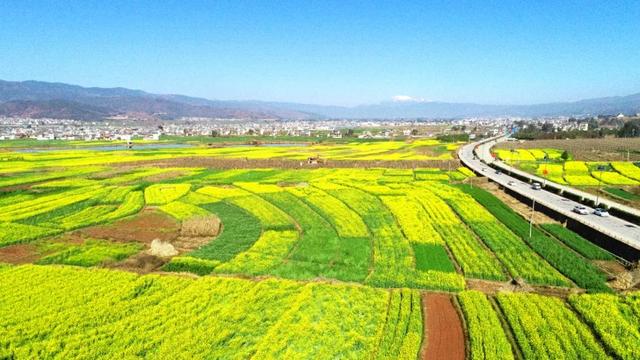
600, 168
533, 211
633, 134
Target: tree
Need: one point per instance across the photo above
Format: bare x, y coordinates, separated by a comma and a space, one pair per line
547, 127
414, 132
348, 133
630, 129
565, 155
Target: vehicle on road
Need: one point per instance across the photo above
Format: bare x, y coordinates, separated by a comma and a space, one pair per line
511, 183
601, 212
582, 210
536, 186
498, 172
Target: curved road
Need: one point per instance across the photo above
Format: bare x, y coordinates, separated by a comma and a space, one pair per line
477, 156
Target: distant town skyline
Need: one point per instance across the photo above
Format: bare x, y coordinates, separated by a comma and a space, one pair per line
330, 52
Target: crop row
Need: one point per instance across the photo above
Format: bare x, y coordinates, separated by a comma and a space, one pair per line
575, 267
402, 334
577, 242
46, 203
64, 312
509, 248
545, 328
473, 258
320, 251
393, 260
413, 219
346, 221
11, 233
182, 211
614, 178
627, 169
615, 319
486, 335
159, 194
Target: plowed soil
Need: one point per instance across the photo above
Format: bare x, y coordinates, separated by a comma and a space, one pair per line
144, 227
443, 329
19, 254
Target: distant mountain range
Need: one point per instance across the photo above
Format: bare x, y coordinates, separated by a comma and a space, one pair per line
38, 99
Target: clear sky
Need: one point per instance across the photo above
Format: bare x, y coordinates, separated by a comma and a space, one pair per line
330, 52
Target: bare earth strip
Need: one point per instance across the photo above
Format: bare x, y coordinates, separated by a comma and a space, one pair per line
443, 330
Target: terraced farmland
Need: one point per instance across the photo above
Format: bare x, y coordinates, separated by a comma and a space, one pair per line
145, 262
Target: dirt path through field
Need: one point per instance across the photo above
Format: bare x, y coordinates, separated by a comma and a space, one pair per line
19, 254
443, 329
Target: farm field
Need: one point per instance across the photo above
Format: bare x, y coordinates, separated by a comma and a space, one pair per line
284, 263
599, 149
16, 160
547, 163
611, 176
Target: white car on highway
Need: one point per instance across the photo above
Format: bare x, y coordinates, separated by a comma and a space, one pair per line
579, 209
601, 212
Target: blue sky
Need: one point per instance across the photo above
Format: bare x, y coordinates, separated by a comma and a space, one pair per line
330, 52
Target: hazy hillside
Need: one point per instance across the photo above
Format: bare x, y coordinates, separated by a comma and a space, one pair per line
57, 100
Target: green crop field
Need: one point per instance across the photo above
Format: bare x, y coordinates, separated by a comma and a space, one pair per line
102, 259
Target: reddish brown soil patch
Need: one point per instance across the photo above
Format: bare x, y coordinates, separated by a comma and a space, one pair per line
613, 268
144, 227
75, 237
17, 187
111, 173
19, 254
493, 287
487, 287
165, 176
443, 330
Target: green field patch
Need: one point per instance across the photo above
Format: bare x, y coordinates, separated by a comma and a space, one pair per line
239, 231
621, 193
89, 253
13, 233
191, 264
577, 242
432, 257
320, 244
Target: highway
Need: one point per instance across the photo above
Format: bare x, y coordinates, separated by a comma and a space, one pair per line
477, 156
